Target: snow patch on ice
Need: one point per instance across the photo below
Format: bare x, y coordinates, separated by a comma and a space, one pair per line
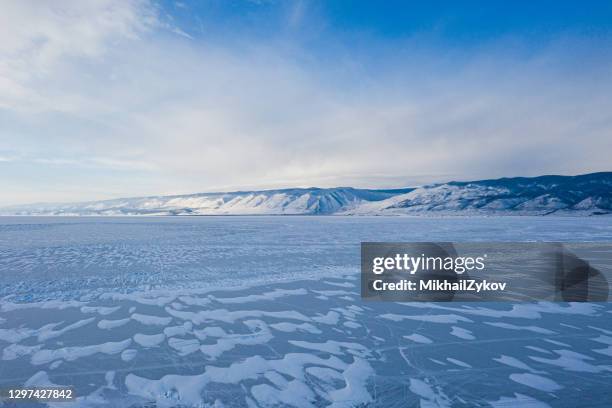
536, 381
128, 354
510, 326
462, 333
514, 362
149, 340
227, 316
430, 397
288, 327
44, 335
45, 356
111, 324
334, 347
151, 320
188, 389
458, 362
260, 334
572, 361
101, 310
14, 351
275, 294
419, 338
181, 330
519, 400
184, 346
443, 318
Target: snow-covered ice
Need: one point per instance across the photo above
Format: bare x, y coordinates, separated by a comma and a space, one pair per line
263, 312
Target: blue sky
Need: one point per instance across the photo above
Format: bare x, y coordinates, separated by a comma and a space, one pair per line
457, 23
111, 98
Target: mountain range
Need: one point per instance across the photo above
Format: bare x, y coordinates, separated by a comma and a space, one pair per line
588, 194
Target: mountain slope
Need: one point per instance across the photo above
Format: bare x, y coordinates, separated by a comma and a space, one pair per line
579, 195
589, 194
270, 202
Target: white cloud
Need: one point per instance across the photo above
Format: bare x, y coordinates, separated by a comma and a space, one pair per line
104, 87
38, 39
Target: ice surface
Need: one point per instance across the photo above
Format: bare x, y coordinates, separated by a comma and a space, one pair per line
237, 312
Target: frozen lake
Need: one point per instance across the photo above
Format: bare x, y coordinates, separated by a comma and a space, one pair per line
265, 311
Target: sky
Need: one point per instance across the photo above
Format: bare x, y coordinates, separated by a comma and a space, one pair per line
120, 98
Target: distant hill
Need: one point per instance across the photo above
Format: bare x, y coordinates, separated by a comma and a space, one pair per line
589, 194
268, 202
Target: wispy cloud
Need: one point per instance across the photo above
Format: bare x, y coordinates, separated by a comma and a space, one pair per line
39, 40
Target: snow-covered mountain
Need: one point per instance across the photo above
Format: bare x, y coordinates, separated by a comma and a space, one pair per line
589, 194
296, 201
